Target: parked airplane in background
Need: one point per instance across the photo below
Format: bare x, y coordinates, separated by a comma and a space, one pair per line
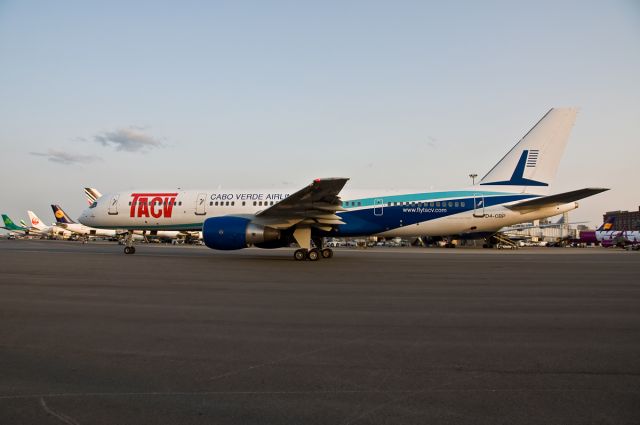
39, 227
606, 236
514, 191
9, 225
65, 222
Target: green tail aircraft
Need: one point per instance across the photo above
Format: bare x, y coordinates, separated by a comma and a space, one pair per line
11, 226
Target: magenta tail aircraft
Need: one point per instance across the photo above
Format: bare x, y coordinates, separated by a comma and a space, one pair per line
607, 236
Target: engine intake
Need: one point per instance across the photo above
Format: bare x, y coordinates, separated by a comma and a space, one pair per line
231, 232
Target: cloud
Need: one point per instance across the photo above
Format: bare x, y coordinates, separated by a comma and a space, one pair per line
132, 139
66, 158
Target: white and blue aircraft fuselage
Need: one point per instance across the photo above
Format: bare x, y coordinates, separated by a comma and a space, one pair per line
514, 191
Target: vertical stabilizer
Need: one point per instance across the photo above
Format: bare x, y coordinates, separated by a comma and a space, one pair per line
533, 162
36, 223
92, 194
9, 224
608, 225
60, 215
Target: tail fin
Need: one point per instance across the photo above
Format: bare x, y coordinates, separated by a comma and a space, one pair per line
9, 224
608, 225
35, 221
533, 161
61, 216
92, 194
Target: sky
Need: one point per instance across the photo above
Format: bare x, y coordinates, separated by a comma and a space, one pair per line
262, 94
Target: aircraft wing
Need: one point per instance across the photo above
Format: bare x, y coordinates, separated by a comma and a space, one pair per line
314, 205
557, 199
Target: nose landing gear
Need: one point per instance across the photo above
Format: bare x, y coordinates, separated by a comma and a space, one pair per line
128, 243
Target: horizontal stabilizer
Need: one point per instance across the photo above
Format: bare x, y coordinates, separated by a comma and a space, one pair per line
558, 199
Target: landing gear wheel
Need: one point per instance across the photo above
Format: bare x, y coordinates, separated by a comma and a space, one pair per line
313, 254
327, 253
129, 250
300, 254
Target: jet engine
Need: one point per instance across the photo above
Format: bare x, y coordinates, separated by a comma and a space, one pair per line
232, 232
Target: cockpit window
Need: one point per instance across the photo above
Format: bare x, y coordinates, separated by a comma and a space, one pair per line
95, 204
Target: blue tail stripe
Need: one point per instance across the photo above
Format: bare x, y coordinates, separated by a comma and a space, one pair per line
517, 178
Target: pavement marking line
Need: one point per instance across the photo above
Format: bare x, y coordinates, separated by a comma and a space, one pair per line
258, 393
63, 418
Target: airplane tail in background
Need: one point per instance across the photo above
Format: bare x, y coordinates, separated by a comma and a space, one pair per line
60, 215
532, 163
92, 194
608, 225
9, 224
36, 223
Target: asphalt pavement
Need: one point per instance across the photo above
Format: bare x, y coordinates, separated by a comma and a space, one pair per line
187, 335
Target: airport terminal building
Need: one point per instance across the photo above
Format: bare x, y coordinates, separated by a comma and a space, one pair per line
625, 220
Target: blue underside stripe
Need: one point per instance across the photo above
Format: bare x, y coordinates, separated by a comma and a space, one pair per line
366, 222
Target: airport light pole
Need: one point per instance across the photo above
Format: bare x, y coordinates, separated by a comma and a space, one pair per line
473, 178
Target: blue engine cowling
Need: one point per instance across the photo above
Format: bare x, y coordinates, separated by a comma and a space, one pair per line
230, 232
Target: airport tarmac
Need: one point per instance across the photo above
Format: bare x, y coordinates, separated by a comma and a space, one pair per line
187, 335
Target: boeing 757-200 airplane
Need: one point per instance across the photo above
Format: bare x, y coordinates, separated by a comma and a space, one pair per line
515, 190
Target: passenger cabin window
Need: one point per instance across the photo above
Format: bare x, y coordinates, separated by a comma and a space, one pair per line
462, 204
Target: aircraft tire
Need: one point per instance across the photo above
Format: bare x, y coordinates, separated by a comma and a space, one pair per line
300, 254
327, 253
313, 255
129, 250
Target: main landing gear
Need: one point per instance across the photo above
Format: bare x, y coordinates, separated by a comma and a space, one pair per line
306, 251
128, 243
312, 254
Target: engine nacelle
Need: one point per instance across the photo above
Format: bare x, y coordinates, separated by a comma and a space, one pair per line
230, 232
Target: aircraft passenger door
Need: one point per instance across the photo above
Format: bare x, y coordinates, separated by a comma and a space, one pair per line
201, 204
378, 207
113, 205
478, 205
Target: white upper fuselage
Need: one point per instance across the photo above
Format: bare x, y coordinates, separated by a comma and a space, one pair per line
471, 210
